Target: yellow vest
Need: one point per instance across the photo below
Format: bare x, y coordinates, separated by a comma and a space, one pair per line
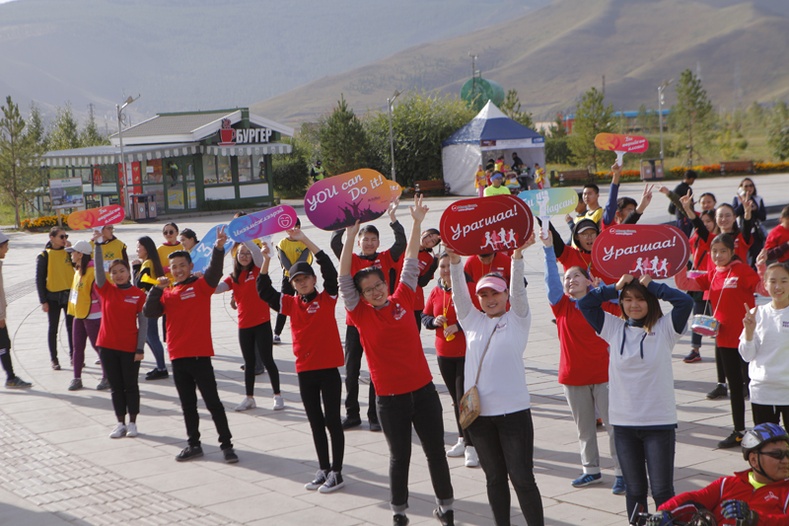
164, 251
293, 251
60, 271
79, 299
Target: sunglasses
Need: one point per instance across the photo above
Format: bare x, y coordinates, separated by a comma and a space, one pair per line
778, 454
62, 236
168, 232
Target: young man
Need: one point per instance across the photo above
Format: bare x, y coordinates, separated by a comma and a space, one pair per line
389, 262
497, 187
594, 211
187, 305
12, 380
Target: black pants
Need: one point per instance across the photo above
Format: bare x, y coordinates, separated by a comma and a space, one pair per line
254, 340
763, 414
733, 366
191, 374
287, 290
452, 373
418, 316
324, 384
422, 410
122, 371
5, 353
505, 444
353, 366
54, 320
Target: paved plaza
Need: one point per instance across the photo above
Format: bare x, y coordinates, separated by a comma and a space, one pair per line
58, 466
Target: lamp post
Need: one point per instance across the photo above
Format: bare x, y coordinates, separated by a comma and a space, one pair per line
390, 106
661, 100
126, 180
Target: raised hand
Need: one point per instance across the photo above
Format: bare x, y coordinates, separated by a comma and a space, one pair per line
749, 322
221, 237
392, 210
419, 210
645, 279
351, 231
453, 256
265, 251
624, 280
295, 234
687, 202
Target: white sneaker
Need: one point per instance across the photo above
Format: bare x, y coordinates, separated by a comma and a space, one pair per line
472, 460
247, 403
458, 449
119, 431
131, 430
279, 403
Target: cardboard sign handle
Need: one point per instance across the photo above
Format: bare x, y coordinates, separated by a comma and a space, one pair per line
619, 157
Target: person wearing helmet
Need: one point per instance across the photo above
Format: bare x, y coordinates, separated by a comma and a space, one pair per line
759, 495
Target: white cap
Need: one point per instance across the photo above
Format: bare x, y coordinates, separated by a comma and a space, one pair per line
3, 238
83, 247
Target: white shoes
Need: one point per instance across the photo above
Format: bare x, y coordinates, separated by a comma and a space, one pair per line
279, 403
458, 449
119, 431
248, 403
131, 430
472, 460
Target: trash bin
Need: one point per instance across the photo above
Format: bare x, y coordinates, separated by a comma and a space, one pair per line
651, 169
143, 207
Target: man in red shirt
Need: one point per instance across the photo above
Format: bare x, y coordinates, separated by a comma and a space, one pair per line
187, 304
777, 243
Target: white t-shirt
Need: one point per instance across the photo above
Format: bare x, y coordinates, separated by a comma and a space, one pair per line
768, 354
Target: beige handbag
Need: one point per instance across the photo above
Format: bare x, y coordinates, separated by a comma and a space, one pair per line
469, 403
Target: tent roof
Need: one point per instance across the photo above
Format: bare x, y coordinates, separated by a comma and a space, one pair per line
490, 124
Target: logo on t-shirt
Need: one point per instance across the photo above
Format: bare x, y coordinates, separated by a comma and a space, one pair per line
131, 299
398, 312
731, 282
188, 293
771, 496
313, 307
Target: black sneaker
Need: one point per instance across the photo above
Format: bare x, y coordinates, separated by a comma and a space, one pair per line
55, 365
446, 519
733, 440
157, 374
319, 480
333, 483
229, 454
17, 383
720, 391
399, 519
375, 426
349, 422
188, 453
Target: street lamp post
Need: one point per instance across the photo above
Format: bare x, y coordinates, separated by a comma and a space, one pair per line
390, 106
126, 179
660, 89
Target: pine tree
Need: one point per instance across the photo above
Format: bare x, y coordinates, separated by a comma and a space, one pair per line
344, 144
90, 135
65, 131
692, 117
592, 116
36, 129
511, 107
778, 135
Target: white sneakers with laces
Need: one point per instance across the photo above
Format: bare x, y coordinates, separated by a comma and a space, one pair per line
279, 403
458, 449
119, 431
472, 460
246, 404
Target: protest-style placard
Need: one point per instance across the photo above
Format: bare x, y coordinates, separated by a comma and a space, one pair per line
341, 200
551, 201
486, 224
96, 217
201, 253
264, 223
621, 144
658, 250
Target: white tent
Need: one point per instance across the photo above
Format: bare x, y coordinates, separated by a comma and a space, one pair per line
488, 135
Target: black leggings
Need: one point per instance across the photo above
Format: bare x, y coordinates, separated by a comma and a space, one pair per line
122, 371
325, 384
54, 320
287, 290
763, 414
733, 366
452, 373
258, 337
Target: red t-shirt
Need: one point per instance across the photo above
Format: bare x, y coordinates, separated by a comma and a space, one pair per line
584, 355
383, 260
573, 257
740, 250
316, 339
439, 302
187, 307
475, 269
425, 261
729, 288
252, 311
777, 237
119, 310
392, 345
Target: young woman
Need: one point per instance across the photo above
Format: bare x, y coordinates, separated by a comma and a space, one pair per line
188, 239
503, 433
147, 270
290, 252
726, 222
747, 197
583, 366
171, 243
439, 315
54, 274
84, 307
317, 359
398, 367
254, 322
427, 269
121, 338
700, 263
731, 283
777, 244
642, 408
764, 343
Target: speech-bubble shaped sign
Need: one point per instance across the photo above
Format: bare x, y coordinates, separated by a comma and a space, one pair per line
340, 201
264, 223
616, 142
96, 217
201, 252
396, 190
550, 202
486, 224
658, 250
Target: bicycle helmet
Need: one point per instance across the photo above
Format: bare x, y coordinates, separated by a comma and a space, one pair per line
761, 435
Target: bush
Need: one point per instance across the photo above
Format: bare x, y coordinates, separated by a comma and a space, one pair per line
43, 223
291, 177
557, 151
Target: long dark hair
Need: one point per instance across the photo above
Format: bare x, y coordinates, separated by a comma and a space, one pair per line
83, 264
735, 228
727, 240
637, 290
238, 268
153, 254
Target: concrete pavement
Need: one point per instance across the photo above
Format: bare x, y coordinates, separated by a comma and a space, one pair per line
58, 466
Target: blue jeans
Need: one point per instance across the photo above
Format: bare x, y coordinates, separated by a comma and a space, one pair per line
505, 445
641, 452
422, 409
153, 341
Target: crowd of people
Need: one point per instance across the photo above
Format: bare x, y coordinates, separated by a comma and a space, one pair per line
615, 344
499, 178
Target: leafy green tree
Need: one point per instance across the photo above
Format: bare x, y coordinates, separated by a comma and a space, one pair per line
558, 129
19, 159
344, 144
90, 135
65, 131
778, 135
291, 172
511, 107
692, 117
592, 116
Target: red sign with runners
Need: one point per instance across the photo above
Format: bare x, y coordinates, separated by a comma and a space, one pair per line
658, 250
96, 217
486, 224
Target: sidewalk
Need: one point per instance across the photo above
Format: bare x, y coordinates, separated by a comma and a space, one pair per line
58, 466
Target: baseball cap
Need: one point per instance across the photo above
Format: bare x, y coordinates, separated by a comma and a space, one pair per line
3, 238
586, 224
490, 281
300, 268
83, 247
497, 175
